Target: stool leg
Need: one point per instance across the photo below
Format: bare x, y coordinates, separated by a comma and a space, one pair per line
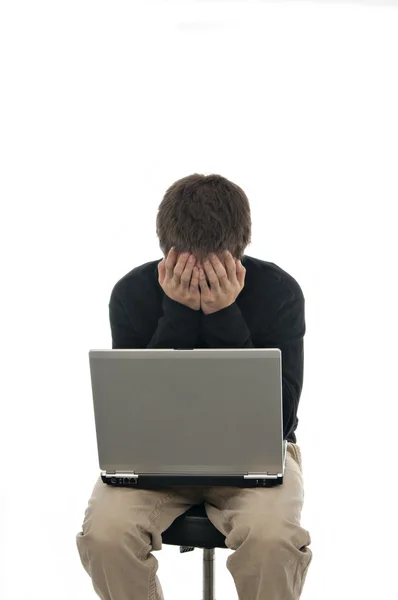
208, 573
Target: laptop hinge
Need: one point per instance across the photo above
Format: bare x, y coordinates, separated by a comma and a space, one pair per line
124, 474
262, 475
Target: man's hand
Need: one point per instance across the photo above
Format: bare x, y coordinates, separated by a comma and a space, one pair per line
226, 283
179, 280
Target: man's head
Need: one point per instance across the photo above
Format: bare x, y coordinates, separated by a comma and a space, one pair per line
202, 214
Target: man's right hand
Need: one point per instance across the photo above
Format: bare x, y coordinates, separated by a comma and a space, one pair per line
179, 279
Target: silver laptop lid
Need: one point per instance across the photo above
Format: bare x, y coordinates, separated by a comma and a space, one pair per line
201, 411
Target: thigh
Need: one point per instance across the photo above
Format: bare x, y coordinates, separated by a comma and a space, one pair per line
112, 507
282, 502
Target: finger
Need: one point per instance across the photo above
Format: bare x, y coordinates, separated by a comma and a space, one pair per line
211, 274
170, 262
180, 266
187, 272
230, 266
219, 270
195, 279
202, 281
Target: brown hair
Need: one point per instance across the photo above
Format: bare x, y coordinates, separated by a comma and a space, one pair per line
203, 214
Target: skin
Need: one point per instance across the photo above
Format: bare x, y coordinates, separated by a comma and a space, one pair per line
222, 294
220, 279
200, 265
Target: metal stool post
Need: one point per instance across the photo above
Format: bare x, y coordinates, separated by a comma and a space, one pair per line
208, 573
193, 530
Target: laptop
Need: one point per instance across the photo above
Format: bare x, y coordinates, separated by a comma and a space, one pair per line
208, 417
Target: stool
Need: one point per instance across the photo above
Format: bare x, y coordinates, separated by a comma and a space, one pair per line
194, 530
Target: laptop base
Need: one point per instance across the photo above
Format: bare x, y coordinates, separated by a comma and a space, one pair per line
151, 481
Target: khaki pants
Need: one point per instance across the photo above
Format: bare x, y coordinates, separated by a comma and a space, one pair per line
262, 525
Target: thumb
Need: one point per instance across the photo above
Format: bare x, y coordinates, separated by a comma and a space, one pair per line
240, 273
162, 270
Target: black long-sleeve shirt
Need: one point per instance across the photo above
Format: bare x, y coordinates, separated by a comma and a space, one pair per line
268, 313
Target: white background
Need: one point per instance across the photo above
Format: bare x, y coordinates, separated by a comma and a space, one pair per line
103, 106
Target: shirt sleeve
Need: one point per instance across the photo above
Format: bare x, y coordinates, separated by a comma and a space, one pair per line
288, 335
227, 329
177, 328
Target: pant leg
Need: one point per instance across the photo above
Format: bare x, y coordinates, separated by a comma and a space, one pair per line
120, 528
262, 525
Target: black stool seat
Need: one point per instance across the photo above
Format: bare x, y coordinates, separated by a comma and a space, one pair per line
193, 528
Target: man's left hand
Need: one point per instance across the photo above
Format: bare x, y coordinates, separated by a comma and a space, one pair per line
226, 283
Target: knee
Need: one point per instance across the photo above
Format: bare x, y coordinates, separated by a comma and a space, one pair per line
270, 538
270, 541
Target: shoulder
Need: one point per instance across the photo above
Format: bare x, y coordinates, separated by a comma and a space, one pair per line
273, 276
140, 282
